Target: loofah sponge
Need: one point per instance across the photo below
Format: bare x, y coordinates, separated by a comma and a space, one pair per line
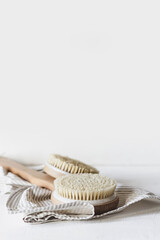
85, 187
70, 165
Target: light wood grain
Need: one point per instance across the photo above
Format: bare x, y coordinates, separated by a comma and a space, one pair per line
99, 209
53, 173
35, 177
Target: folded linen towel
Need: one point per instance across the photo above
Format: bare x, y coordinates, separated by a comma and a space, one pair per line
24, 197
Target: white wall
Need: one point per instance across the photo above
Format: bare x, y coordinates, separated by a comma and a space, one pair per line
80, 78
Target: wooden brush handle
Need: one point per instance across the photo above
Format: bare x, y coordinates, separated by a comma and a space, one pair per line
32, 176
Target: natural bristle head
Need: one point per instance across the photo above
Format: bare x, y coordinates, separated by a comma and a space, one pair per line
70, 165
85, 186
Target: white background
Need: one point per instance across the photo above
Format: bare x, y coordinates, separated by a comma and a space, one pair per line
80, 78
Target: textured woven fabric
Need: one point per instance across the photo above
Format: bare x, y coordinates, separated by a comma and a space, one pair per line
35, 202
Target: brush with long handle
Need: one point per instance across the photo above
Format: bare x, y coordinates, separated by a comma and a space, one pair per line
43, 180
35, 177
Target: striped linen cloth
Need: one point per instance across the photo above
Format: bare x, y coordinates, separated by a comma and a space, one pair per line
35, 202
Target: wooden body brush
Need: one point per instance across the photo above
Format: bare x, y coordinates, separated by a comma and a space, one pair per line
65, 189
58, 165
93, 188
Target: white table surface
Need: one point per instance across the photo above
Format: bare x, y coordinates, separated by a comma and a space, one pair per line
140, 221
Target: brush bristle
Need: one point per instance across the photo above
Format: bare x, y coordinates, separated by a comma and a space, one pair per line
85, 186
70, 165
